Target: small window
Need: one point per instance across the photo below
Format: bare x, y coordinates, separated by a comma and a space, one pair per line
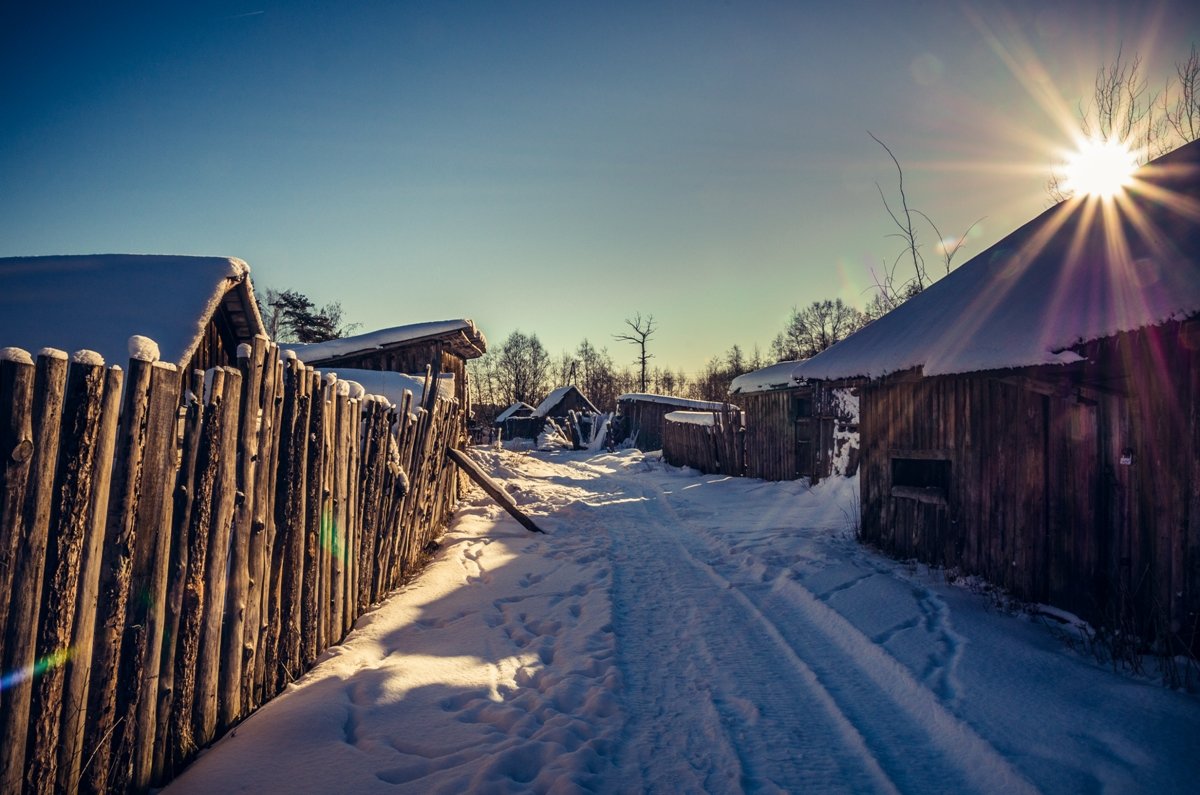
802, 407
922, 479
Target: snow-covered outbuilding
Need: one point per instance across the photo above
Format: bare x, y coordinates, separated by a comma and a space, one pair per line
516, 412
796, 427
1034, 417
557, 405
444, 345
197, 309
641, 415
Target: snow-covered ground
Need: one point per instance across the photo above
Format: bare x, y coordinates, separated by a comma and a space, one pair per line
674, 632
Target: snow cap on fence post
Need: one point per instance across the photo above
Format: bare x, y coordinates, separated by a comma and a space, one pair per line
19, 355
143, 349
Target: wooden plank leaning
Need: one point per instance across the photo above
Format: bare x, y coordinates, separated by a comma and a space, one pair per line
492, 488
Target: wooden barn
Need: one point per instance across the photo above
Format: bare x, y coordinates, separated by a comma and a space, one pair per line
1034, 417
641, 415
197, 309
444, 345
796, 427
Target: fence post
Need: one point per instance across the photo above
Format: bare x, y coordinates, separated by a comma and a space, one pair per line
80, 666
21, 633
208, 672
192, 415
69, 514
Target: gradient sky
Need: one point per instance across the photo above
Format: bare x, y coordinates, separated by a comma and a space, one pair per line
548, 166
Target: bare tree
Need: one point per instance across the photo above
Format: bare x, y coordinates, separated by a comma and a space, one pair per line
1181, 104
891, 289
642, 330
522, 368
814, 328
1149, 123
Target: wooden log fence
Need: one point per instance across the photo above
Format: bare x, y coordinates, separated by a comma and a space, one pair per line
170, 563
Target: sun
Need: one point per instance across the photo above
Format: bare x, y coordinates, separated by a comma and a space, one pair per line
1099, 167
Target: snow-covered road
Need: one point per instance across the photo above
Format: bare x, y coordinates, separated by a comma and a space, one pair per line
683, 633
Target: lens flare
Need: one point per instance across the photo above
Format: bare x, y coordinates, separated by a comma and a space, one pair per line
1099, 167
52, 660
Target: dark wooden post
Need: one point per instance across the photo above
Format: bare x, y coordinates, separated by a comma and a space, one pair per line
21, 633
69, 515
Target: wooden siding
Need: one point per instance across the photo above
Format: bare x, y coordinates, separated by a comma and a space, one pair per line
791, 433
644, 419
1074, 486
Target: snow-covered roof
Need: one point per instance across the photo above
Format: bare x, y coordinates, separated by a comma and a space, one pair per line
99, 301
670, 400
393, 385
777, 376
471, 339
520, 405
556, 397
1074, 274
691, 417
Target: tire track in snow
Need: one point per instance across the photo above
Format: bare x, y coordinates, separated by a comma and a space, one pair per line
694, 657
861, 678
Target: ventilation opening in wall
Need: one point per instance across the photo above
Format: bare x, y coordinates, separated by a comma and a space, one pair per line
922, 479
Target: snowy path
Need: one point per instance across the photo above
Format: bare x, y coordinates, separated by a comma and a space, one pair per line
682, 633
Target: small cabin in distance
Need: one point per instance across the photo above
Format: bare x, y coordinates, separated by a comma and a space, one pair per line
197, 309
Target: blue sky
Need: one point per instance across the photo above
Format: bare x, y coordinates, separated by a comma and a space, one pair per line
554, 167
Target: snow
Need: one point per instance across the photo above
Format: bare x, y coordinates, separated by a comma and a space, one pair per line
19, 355
1053, 284
691, 417
53, 353
143, 349
551, 400
245, 350
392, 386
99, 301
777, 376
317, 352
511, 410
88, 357
684, 403
682, 633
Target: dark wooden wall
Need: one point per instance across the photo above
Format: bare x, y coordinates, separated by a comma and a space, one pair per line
790, 433
645, 418
1074, 486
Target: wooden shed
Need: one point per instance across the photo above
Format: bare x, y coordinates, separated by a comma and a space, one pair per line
197, 309
797, 427
641, 415
1034, 417
510, 419
444, 345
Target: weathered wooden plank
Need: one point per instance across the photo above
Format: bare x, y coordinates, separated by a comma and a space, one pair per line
230, 700
21, 632
177, 571
142, 652
208, 671
493, 489
310, 596
116, 566
262, 539
205, 503
79, 666
16, 465
69, 516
